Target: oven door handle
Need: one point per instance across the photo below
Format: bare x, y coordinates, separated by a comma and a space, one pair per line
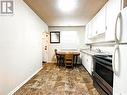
116, 71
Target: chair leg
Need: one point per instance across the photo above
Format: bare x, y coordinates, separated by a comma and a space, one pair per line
57, 63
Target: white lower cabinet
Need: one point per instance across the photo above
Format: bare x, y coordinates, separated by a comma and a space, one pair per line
87, 62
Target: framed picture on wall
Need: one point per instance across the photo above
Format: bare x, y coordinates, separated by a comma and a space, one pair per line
55, 37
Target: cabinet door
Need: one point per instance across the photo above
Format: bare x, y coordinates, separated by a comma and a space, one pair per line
83, 59
93, 27
112, 11
101, 21
98, 23
86, 63
89, 64
89, 31
87, 34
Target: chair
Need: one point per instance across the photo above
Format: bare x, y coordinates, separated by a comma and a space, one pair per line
68, 60
59, 58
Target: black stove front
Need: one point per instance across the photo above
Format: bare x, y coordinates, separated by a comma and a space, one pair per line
103, 74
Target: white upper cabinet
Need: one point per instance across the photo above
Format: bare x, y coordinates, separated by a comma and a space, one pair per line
112, 11
96, 26
105, 20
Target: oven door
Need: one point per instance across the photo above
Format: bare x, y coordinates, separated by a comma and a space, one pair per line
102, 76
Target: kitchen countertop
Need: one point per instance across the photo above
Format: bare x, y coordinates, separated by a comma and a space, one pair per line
93, 52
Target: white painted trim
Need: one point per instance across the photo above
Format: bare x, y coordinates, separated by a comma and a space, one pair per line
19, 86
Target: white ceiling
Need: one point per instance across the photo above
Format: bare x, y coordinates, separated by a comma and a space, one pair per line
49, 12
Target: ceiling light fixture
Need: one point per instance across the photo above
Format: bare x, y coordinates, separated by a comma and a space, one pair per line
67, 5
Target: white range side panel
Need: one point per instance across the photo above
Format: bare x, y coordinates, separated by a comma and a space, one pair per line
120, 82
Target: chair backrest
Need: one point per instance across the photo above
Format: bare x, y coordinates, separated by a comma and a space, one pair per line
55, 51
68, 58
57, 56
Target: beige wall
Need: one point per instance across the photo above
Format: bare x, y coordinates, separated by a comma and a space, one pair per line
71, 38
20, 46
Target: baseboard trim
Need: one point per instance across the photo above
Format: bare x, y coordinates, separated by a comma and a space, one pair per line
19, 86
51, 61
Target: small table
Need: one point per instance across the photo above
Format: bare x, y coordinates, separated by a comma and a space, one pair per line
75, 54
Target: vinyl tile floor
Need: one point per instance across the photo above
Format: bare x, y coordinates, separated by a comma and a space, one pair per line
54, 80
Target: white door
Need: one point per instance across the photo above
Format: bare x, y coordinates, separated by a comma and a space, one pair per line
112, 11
120, 69
45, 46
